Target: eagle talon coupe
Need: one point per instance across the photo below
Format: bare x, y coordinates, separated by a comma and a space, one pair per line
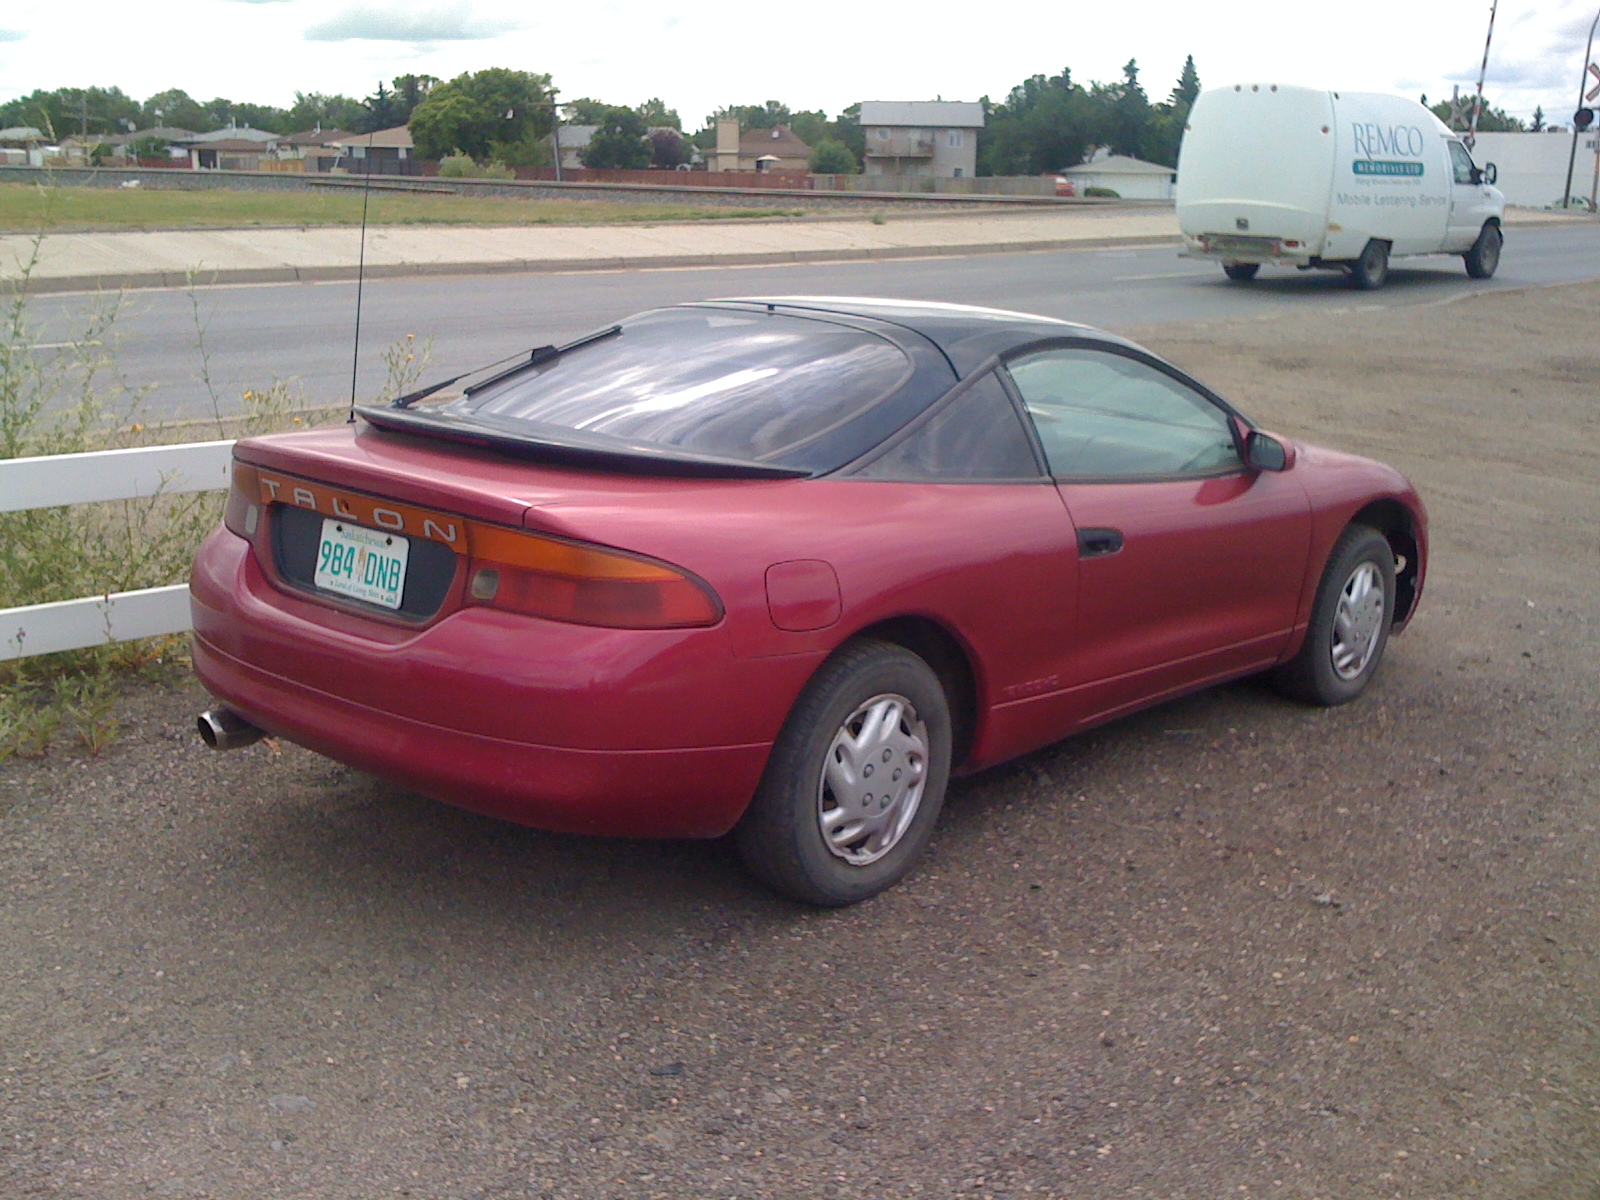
778, 567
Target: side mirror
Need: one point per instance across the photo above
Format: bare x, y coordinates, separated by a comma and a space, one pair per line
1263, 452
1491, 173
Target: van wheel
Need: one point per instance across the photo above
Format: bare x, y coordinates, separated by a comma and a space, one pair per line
1240, 272
1370, 270
1484, 256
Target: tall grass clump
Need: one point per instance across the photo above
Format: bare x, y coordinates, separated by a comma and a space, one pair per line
72, 399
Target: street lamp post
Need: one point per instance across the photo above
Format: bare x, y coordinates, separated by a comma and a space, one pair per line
1583, 79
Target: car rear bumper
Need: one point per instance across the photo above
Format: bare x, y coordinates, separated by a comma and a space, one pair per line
642, 758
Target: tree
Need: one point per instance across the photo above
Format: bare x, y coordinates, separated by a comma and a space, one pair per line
668, 148
584, 111
1490, 119
316, 109
65, 112
496, 114
620, 142
1166, 128
1538, 120
1045, 124
176, 109
1128, 112
830, 157
656, 114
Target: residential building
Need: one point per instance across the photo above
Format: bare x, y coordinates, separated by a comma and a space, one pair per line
382, 152
574, 141
1129, 178
922, 137
775, 149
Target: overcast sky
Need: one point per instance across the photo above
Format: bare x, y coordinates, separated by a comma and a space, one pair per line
825, 54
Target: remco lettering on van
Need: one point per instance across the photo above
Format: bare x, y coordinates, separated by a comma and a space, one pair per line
1382, 149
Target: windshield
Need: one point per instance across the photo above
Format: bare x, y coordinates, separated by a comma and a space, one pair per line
752, 386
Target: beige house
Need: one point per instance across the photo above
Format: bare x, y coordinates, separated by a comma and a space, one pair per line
758, 150
382, 152
922, 137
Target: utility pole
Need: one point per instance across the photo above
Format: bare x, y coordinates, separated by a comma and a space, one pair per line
1477, 104
1583, 79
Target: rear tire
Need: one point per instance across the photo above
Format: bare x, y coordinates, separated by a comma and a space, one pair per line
856, 779
1240, 272
1350, 623
1484, 256
1369, 272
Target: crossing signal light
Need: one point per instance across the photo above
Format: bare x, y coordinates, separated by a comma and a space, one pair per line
1582, 119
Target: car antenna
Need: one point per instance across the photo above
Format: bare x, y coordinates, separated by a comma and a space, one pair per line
361, 272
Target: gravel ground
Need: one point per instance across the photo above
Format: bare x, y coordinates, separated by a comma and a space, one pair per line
1228, 948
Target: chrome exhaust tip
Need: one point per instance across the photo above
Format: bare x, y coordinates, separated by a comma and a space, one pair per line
224, 729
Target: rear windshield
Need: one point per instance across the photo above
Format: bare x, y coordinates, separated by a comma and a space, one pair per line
752, 386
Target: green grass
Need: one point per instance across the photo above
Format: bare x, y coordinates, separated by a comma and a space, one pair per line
25, 208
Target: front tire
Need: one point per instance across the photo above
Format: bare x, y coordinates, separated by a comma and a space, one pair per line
1241, 272
856, 779
1371, 270
1350, 623
1484, 256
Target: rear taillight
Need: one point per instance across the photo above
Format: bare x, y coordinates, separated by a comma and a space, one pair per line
589, 585
243, 512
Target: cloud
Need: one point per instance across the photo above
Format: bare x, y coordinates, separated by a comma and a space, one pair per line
11, 35
440, 23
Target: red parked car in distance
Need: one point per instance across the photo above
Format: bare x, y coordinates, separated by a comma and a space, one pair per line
778, 567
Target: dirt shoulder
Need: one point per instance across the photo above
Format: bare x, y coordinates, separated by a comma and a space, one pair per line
1230, 947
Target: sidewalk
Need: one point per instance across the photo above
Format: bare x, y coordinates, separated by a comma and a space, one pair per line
90, 261
87, 261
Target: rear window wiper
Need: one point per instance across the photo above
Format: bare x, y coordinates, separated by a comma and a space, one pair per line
537, 357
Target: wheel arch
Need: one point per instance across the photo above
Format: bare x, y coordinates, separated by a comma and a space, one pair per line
950, 662
1399, 527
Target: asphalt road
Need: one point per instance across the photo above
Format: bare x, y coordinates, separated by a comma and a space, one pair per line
302, 332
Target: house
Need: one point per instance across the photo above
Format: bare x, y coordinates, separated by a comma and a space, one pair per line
1130, 178
775, 149
574, 141
21, 145
382, 152
238, 148
922, 137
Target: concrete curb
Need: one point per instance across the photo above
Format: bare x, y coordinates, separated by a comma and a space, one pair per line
141, 280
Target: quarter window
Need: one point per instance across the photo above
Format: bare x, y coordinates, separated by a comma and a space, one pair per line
976, 435
1105, 415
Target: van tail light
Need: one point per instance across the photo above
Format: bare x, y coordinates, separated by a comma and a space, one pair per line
242, 515
589, 585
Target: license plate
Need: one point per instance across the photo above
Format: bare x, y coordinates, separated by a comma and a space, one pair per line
363, 564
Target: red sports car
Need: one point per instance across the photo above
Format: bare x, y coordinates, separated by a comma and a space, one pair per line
779, 566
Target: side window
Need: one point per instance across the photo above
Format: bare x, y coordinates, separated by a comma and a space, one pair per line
1460, 162
1105, 415
976, 435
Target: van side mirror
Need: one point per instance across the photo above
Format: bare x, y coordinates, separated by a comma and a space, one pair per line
1263, 452
1491, 173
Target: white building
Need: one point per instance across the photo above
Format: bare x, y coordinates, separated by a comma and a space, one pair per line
1129, 178
1532, 167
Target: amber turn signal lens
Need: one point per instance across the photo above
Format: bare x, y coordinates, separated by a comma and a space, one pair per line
581, 583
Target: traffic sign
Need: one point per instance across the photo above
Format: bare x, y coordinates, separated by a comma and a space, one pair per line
1594, 92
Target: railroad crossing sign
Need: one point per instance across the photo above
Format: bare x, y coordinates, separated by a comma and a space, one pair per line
1594, 92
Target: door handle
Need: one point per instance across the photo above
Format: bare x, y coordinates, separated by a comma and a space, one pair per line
1096, 543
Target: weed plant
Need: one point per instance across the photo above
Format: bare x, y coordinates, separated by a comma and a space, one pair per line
73, 400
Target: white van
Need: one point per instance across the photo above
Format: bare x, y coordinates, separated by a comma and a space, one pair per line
1270, 173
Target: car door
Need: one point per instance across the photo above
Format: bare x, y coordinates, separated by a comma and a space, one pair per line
1470, 200
1190, 564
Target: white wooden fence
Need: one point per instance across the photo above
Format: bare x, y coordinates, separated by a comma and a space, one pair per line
27, 483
